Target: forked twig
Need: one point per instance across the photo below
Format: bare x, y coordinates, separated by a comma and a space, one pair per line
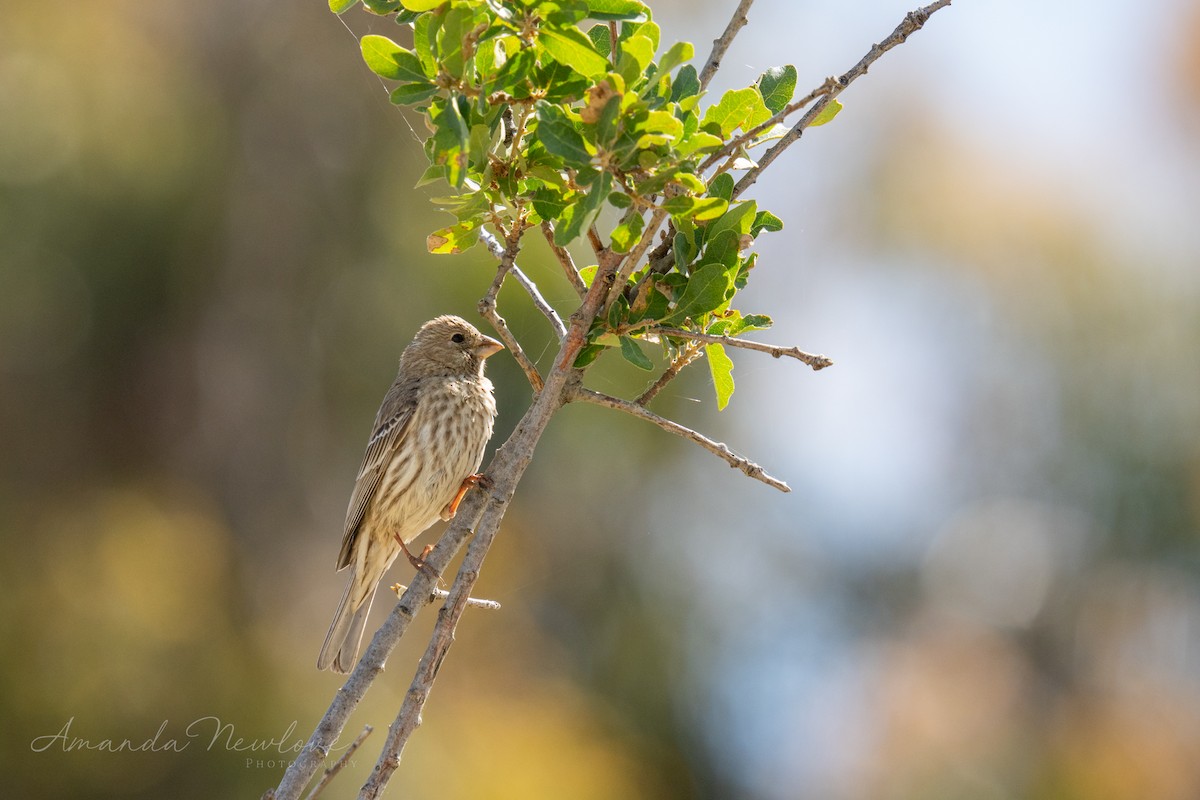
685, 357
539, 302
716, 448
488, 310
332, 771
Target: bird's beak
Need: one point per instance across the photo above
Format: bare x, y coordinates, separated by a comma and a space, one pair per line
488, 347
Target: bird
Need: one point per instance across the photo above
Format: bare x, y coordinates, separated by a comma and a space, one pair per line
424, 450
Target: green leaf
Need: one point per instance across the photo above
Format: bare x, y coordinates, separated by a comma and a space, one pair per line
693, 183
381, 7
705, 291
828, 112
619, 200
686, 84
765, 221
389, 60
456, 23
617, 10
679, 53
422, 5
663, 122
558, 135
738, 219
707, 208
721, 368
685, 250
572, 48
636, 54
588, 354
738, 108
721, 186
722, 248
450, 141
649, 29
634, 355
601, 39
625, 235
699, 142
424, 33
549, 203
412, 93
433, 173
579, 215
339, 6
777, 85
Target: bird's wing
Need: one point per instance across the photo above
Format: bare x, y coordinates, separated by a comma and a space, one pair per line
390, 431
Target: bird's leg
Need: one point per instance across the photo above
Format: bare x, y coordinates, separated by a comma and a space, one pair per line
471, 480
417, 561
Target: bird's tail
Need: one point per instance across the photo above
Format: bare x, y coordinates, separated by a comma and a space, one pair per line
340, 649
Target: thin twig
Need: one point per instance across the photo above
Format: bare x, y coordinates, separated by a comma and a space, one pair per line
814, 361
564, 258
442, 594
539, 302
560, 330
717, 448
685, 357
597, 244
913, 22
341, 762
488, 309
722, 42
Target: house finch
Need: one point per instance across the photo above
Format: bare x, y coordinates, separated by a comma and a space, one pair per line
427, 442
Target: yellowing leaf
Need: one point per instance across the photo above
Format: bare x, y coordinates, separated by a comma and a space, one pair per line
827, 113
721, 368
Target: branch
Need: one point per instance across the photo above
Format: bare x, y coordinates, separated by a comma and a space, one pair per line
685, 357
487, 304
815, 361
564, 258
737, 462
439, 594
341, 762
316, 750
539, 302
913, 22
721, 43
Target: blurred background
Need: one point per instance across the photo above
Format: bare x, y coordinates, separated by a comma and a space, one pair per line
983, 584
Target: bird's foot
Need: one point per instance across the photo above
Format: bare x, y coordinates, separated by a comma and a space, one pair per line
471, 480
418, 561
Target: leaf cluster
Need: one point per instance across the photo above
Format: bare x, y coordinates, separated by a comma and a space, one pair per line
560, 110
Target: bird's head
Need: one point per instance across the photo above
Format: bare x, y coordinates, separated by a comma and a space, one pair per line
448, 345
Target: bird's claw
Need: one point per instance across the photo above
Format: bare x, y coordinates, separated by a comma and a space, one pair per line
418, 561
478, 479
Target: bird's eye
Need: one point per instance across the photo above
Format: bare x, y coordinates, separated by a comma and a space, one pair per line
458, 338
